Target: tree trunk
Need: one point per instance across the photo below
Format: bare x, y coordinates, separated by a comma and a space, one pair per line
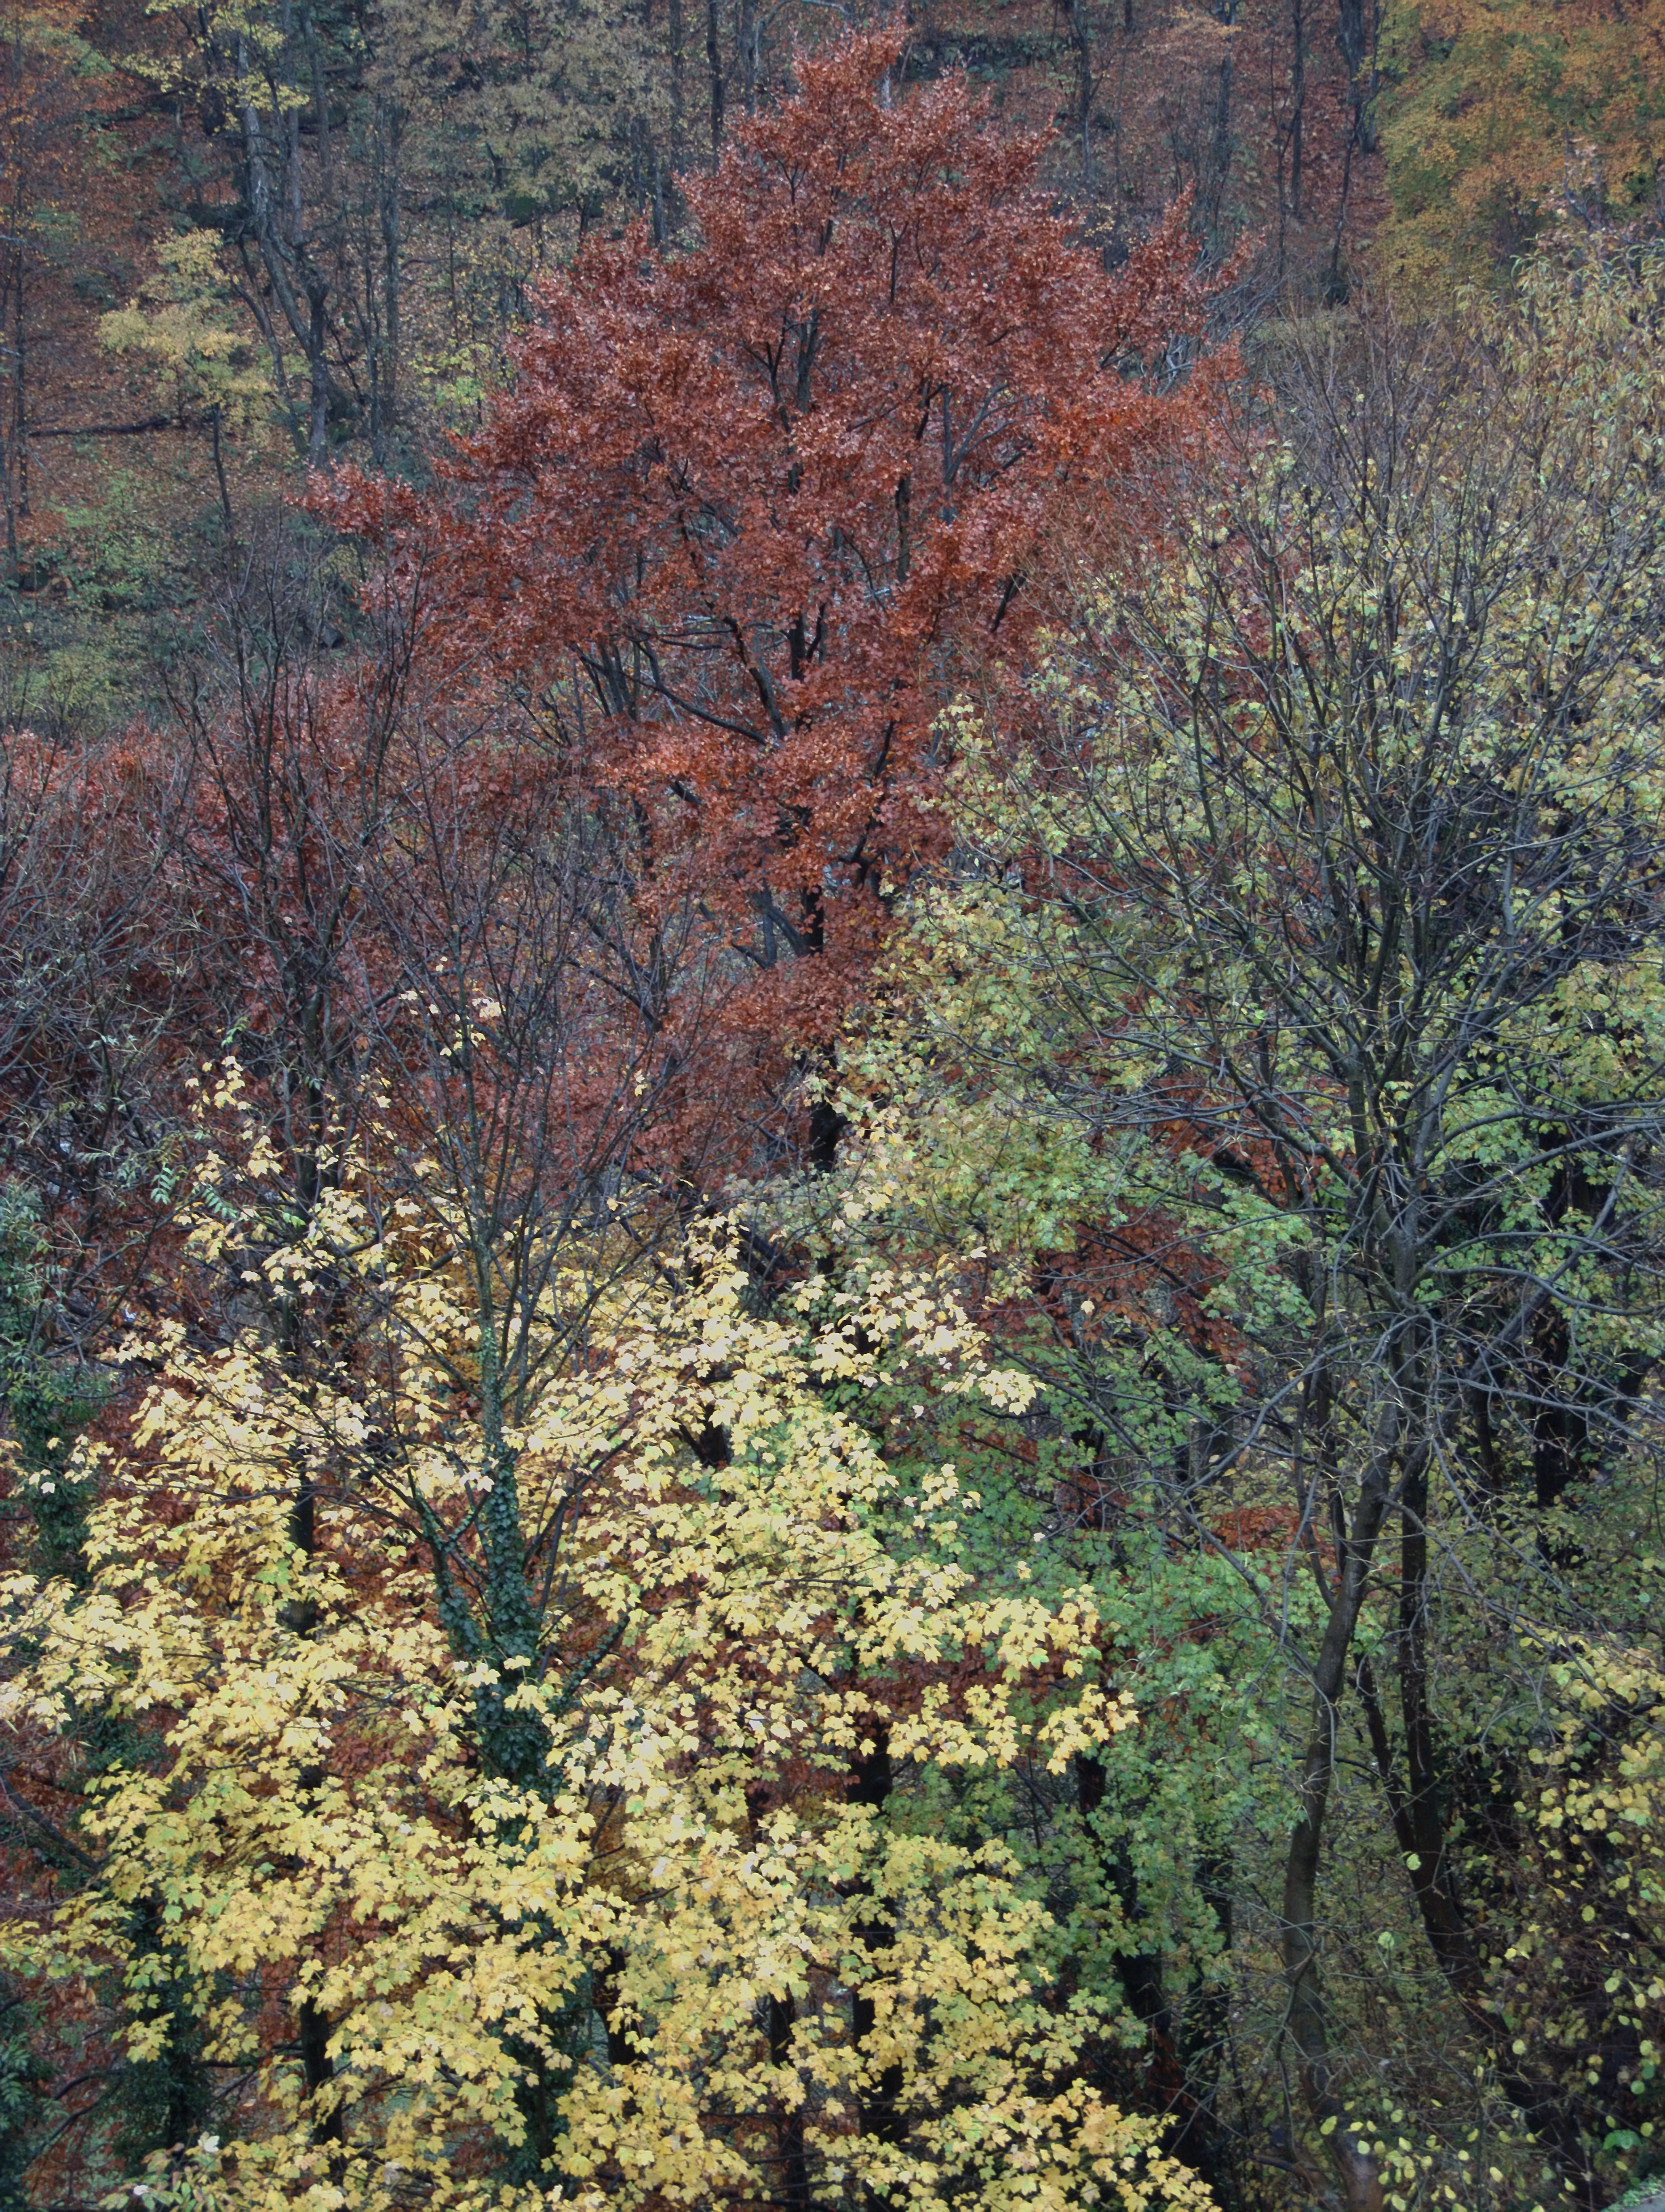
1220, 151
880, 2102
714, 69
1307, 2024
1358, 22
677, 87
1082, 45
748, 25
789, 2136
1297, 105
387, 129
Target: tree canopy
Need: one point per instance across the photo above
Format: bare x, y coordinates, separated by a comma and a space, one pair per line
830, 1220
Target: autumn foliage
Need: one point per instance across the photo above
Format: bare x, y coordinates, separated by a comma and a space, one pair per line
750, 514
830, 1235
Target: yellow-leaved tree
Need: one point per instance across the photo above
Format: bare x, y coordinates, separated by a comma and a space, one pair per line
584, 1805
186, 329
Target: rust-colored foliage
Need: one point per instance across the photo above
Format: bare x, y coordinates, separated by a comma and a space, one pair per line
749, 515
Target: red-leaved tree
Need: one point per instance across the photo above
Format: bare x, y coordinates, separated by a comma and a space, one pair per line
749, 516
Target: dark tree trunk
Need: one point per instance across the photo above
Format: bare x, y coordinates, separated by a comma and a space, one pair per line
714, 69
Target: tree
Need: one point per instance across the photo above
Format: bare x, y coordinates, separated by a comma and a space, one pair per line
370, 897
747, 514
1305, 952
530, 1777
207, 373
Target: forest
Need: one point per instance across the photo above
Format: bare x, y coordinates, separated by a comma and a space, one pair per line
832, 1106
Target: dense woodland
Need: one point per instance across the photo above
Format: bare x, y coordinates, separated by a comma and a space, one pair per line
831, 1105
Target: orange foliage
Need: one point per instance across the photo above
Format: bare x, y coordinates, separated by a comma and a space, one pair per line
749, 517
